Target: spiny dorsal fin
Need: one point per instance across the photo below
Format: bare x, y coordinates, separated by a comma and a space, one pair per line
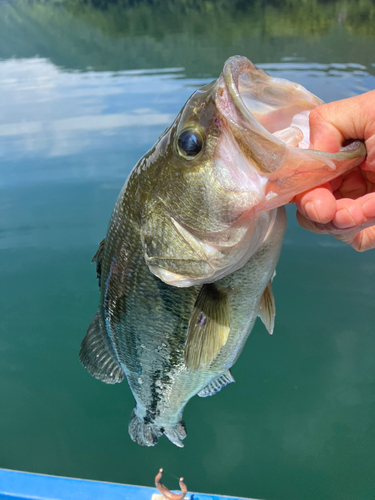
267, 309
98, 258
217, 384
97, 355
208, 328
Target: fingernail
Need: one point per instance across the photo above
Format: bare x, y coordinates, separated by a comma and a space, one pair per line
369, 208
370, 164
310, 211
341, 219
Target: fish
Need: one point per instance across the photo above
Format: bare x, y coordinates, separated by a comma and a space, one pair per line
190, 253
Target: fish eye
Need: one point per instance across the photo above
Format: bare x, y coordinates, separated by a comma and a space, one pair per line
189, 143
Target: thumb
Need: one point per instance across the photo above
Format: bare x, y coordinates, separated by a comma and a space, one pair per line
326, 125
353, 118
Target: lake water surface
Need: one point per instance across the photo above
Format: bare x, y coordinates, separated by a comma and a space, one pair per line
86, 89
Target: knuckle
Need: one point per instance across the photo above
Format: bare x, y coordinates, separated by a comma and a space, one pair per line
317, 114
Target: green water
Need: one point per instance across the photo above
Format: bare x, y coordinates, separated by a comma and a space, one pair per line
85, 90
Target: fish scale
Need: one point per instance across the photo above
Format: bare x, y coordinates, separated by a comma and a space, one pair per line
193, 241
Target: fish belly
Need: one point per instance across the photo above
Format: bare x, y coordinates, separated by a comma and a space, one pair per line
148, 332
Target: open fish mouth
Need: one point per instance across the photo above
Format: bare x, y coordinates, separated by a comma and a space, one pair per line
274, 103
268, 118
264, 113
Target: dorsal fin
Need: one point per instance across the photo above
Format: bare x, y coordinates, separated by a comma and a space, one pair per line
267, 309
208, 328
97, 354
98, 258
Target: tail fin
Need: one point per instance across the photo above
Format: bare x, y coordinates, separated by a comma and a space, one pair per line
148, 433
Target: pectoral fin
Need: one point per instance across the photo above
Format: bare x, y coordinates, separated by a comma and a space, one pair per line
97, 354
208, 328
267, 309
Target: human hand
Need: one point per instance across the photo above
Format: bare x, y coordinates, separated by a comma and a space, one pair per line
345, 207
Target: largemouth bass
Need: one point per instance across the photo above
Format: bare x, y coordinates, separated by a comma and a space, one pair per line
194, 238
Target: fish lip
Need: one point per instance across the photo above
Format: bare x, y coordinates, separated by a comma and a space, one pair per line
234, 107
258, 108
241, 77
234, 67
238, 123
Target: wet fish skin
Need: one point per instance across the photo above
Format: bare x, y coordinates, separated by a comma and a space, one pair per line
214, 221
151, 319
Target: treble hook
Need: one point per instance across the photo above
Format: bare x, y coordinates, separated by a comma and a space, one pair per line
166, 492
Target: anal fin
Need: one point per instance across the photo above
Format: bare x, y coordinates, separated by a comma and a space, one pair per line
217, 384
97, 355
267, 309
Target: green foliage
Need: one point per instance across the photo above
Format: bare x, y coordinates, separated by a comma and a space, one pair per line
224, 19
195, 34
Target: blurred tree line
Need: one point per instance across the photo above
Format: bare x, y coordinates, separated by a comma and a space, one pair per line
195, 34
229, 17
